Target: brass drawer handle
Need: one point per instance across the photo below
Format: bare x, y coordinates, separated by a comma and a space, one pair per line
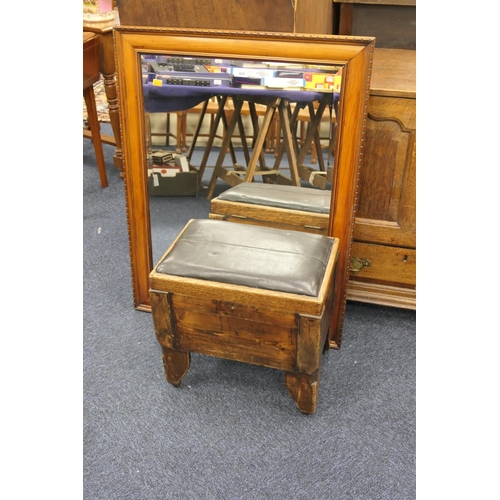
357, 264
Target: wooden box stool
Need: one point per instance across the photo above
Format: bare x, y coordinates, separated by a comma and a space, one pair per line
248, 293
274, 205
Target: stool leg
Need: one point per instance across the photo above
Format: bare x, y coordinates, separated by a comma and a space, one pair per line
176, 364
303, 389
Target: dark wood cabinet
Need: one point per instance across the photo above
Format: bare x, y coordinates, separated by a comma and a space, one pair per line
392, 22
300, 16
383, 265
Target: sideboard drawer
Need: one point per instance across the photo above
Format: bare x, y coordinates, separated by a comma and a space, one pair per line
383, 263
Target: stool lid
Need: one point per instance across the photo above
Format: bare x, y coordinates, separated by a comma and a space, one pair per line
248, 255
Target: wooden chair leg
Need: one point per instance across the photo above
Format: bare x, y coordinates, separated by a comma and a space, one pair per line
95, 129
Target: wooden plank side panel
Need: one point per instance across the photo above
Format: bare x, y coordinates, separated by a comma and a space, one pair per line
249, 312
240, 340
232, 348
235, 331
237, 328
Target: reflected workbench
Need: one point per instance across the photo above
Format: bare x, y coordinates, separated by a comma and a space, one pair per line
286, 103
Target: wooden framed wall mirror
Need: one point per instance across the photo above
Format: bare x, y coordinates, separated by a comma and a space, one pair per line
352, 54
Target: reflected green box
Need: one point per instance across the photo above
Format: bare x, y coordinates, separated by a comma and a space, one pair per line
181, 184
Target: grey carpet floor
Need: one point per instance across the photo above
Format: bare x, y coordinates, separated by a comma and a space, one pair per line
231, 431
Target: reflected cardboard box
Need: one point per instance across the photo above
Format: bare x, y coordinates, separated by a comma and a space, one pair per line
319, 81
173, 179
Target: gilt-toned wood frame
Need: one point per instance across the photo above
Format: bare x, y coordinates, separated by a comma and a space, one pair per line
355, 53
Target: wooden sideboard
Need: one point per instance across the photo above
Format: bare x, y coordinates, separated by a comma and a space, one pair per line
383, 265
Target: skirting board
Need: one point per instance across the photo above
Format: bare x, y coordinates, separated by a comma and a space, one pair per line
384, 295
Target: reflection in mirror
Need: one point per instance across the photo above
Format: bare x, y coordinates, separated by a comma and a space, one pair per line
213, 123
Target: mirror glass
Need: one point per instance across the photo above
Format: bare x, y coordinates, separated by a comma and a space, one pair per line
209, 122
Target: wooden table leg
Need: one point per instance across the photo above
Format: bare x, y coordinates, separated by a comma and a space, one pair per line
288, 142
220, 115
313, 129
256, 128
281, 146
259, 142
95, 130
224, 147
108, 69
201, 117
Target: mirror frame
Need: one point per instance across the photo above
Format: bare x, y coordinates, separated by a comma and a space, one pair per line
355, 53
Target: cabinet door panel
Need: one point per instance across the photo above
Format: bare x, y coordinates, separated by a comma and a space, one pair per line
387, 187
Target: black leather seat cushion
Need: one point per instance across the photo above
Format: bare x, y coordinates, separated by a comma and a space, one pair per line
281, 196
253, 256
